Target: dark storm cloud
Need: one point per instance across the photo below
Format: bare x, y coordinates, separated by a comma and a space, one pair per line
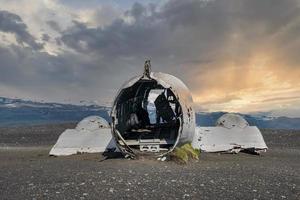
191, 39
45, 37
117, 39
184, 31
12, 23
187, 29
137, 11
54, 25
175, 30
22, 66
58, 77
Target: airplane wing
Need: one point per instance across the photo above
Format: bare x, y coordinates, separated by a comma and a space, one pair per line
92, 135
233, 140
73, 141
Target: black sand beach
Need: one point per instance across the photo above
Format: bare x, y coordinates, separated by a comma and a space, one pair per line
27, 172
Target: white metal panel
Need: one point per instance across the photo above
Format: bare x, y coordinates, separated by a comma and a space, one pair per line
73, 141
231, 120
218, 139
92, 123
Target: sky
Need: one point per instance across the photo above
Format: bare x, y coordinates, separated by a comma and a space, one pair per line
234, 55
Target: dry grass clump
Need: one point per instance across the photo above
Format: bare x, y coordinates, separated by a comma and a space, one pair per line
184, 153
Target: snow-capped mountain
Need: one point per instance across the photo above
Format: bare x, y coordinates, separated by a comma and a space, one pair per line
18, 112
26, 112
261, 120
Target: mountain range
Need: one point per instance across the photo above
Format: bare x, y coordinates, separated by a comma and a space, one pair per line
19, 112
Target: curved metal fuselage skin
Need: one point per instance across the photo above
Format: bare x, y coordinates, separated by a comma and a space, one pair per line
186, 120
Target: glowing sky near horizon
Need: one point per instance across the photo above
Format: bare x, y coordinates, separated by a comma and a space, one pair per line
234, 55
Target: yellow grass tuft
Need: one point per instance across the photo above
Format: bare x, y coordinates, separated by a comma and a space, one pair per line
185, 152
192, 153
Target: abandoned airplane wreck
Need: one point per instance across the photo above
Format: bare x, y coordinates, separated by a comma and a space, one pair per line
151, 115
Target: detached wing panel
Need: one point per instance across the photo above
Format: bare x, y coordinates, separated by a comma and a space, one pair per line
221, 139
73, 141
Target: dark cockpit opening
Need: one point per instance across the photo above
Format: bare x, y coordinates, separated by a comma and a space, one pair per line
147, 116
